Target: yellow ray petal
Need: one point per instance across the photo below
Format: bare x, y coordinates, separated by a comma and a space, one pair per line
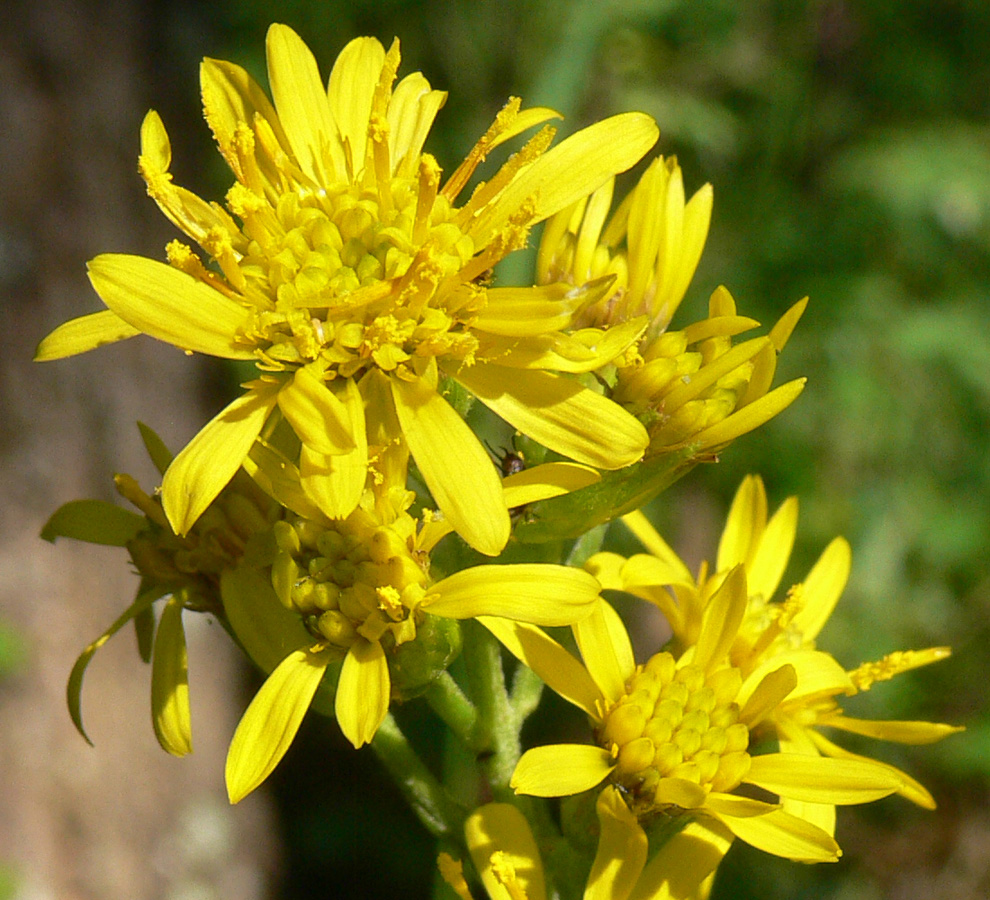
362, 692
559, 770
232, 98
621, 853
84, 334
560, 414
560, 671
336, 482
746, 521
546, 480
524, 311
454, 464
571, 170
684, 862
785, 835
577, 352
267, 728
818, 674
539, 593
821, 779
606, 649
773, 550
170, 683
750, 417
648, 536
352, 85
502, 828
411, 113
768, 695
169, 305
316, 414
210, 459
822, 588
721, 619
902, 732
302, 104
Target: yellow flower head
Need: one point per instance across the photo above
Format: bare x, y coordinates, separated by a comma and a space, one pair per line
358, 592
339, 255
673, 735
775, 631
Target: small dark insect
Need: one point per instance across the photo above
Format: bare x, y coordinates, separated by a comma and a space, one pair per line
510, 462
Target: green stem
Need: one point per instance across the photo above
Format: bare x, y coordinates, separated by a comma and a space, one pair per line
449, 702
427, 797
497, 732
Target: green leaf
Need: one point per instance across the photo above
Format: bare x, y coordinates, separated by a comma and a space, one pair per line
93, 521
619, 492
160, 455
73, 690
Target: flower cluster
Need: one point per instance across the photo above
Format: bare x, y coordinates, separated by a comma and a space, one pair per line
344, 521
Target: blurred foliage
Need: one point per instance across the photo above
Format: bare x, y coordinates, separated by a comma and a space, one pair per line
848, 146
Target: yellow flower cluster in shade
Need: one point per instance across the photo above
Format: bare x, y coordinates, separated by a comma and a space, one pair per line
692, 386
339, 256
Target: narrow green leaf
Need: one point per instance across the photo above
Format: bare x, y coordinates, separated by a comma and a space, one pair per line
160, 455
93, 521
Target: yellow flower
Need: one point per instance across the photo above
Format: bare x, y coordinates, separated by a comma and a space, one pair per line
358, 592
673, 734
651, 245
691, 388
504, 853
339, 256
775, 632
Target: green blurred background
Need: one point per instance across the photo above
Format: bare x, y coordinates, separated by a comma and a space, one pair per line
849, 149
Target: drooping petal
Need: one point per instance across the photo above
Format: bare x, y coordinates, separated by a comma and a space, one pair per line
768, 695
211, 458
336, 482
822, 588
93, 521
169, 304
302, 104
559, 770
683, 863
785, 835
822, 779
621, 853
560, 671
316, 414
362, 692
269, 725
501, 828
84, 334
606, 649
901, 732
559, 413
538, 593
454, 464
170, 683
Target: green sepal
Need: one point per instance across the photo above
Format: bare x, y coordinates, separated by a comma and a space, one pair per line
619, 492
93, 521
415, 665
73, 690
144, 631
160, 455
